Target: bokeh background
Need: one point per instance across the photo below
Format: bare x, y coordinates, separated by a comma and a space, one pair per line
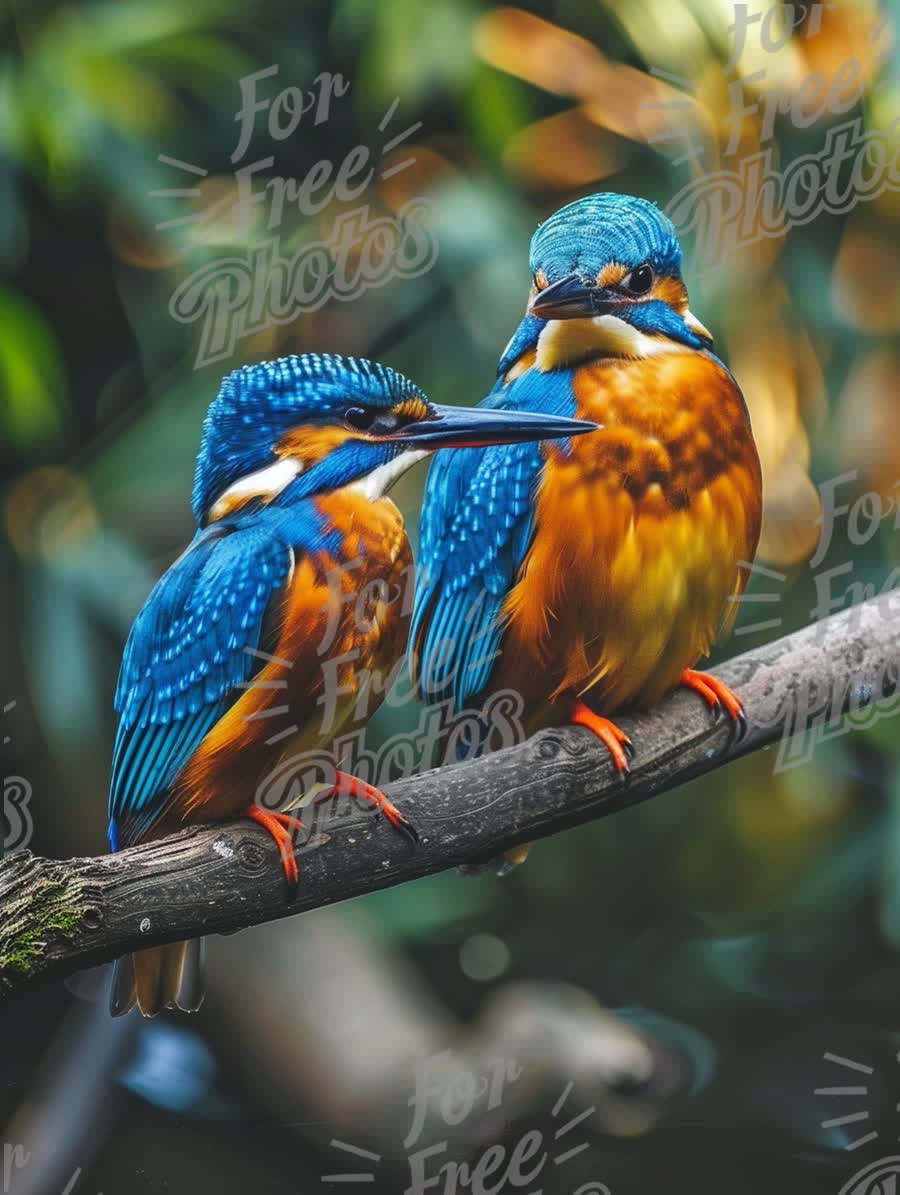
685, 965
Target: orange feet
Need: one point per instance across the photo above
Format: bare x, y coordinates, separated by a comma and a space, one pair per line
284, 830
616, 741
352, 787
717, 696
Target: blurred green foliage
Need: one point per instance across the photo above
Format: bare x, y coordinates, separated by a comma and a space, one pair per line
745, 901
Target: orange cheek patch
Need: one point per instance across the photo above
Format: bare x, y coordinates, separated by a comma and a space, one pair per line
612, 274
312, 444
412, 408
671, 291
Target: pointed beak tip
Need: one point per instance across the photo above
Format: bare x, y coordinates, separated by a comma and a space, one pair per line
538, 306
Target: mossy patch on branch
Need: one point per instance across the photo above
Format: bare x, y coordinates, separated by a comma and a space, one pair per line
28, 930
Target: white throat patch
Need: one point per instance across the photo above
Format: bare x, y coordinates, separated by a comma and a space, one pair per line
566, 341
265, 483
377, 483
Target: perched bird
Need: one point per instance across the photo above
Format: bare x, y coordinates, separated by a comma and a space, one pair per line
297, 455
593, 576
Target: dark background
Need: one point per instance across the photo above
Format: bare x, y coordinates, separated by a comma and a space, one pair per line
743, 927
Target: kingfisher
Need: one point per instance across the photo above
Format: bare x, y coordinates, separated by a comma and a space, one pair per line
592, 576
296, 458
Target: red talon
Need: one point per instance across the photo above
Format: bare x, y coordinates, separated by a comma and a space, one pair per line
362, 791
715, 693
284, 830
616, 741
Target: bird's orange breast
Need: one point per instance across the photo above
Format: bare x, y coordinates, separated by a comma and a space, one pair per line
639, 533
340, 628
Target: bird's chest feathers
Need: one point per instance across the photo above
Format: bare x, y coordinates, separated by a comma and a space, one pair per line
341, 626
670, 425
363, 604
640, 526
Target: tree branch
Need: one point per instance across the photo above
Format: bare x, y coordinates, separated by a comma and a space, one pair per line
61, 916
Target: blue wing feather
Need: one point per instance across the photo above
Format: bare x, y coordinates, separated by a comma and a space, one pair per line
190, 647
524, 338
477, 527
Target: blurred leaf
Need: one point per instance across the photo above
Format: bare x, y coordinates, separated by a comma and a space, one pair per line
99, 83
32, 393
412, 48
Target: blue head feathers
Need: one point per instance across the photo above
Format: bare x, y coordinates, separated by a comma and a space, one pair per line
614, 263
258, 404
584, 236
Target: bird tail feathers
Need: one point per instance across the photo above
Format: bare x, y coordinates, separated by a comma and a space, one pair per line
162, 977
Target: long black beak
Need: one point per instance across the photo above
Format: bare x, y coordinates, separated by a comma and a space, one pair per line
573, 298
477, 427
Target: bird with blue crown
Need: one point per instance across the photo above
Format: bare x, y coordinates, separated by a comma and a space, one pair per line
296, 459
592, 576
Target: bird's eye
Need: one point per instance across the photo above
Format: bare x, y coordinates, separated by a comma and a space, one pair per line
639, 281
386, 421
359, 418
375, 422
